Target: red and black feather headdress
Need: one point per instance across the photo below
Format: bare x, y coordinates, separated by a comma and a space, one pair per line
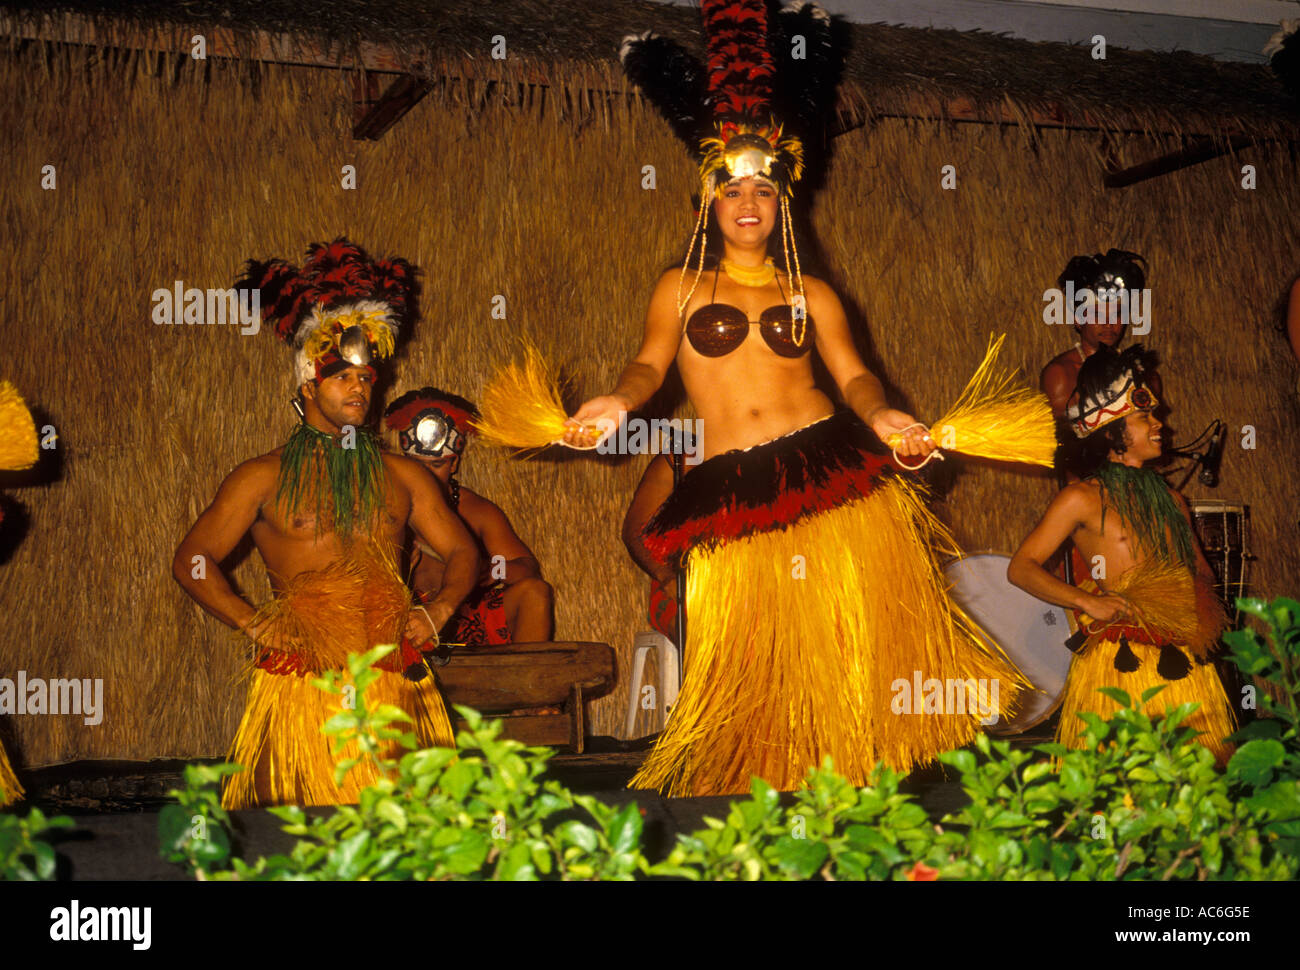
761, 97
339, 309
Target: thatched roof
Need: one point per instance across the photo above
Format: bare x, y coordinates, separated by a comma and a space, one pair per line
572, 44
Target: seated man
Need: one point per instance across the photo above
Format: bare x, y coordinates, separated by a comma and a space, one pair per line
1098, 321
1151, 617
512, 603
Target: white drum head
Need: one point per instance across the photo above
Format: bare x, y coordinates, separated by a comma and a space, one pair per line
1031, 632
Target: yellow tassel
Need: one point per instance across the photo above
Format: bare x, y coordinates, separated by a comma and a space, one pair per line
994, 420
1167, 601
521, 405
783, 670
17, 431
10, 790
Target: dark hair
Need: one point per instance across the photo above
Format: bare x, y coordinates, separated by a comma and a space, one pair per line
431, 392
1083, 456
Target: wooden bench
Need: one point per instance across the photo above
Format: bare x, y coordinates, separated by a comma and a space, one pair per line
501, 679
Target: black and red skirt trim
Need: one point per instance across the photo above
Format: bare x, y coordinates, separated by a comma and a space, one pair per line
768, 487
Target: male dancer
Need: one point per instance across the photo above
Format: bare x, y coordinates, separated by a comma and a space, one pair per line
1151, 617
328, 512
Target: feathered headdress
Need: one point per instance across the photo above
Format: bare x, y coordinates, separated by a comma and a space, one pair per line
340, 309
1102, 278
754, 109
763, 94
1283, 53
1097, 405
431, 423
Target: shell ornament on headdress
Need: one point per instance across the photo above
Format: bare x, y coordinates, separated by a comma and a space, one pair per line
341, 309
431, 423
1102, 279
752, 110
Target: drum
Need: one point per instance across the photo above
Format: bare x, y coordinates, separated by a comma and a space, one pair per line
1224, 531
1031, 632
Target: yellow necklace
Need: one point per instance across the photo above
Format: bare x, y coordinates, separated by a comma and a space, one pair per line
750, 275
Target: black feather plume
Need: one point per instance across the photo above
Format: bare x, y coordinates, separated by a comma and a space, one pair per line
809, 62
671, 78
1286, 59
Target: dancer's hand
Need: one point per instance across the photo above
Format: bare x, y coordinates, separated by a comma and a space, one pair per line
419, 628
594, 420
916, 442
269, 640
1109, 608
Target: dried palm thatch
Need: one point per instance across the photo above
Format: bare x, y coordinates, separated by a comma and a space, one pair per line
511, 206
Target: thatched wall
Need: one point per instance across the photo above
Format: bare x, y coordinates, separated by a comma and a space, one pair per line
166, 172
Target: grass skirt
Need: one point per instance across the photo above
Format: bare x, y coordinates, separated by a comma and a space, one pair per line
323, 615
801, 633
1096, 669
1176, 631
10, 790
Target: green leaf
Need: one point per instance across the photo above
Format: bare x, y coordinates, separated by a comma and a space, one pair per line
349, 858
391, 812
215, 848
963, 761
1253, 763
1035, 771
908, 816
625, 829
802, 857
467, 853
174, 825
1118, 696
583, 836
516, 865
459, 778
46, 860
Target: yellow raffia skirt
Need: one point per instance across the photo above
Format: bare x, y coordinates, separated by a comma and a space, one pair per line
348, 607
10, 790
799, 638
1182, 617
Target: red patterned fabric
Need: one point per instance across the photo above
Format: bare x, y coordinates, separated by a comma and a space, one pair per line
663, 609
481, 619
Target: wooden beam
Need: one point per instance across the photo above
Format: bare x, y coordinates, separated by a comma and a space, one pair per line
1202, 150
258, 45
373, 112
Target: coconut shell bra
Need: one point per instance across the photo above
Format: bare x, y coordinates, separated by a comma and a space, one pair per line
716, 329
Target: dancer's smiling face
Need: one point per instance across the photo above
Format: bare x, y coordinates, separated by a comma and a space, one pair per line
1143, 437
746, 211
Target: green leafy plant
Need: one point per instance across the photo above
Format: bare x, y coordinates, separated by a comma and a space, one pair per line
1266, 767
479, 811
24, 852
1141, 800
